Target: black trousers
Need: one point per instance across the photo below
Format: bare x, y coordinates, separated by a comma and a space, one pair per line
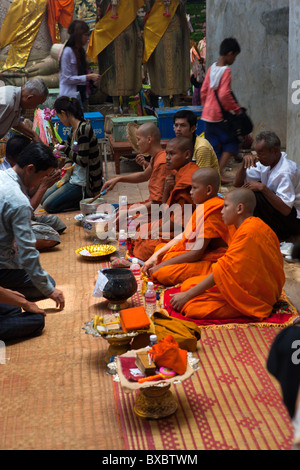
283, 226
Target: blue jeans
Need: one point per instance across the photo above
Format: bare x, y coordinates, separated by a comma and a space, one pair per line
16, 324
62, 199
218, 138
18, 280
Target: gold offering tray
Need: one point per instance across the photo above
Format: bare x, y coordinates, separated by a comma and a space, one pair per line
92, 252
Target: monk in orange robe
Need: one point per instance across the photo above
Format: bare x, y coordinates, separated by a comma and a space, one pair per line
202, 243
148, 141
248, 279
176, 196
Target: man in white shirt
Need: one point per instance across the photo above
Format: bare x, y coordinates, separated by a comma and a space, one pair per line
275, 181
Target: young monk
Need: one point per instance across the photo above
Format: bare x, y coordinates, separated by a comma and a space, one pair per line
248, 280
176, 194
148, 141
204, 240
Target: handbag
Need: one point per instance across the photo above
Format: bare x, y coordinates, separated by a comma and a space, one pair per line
236, 125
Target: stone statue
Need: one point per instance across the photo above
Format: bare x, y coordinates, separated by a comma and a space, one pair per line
167, 48
118, 45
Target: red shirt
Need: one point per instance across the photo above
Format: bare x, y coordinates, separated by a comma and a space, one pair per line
211, 109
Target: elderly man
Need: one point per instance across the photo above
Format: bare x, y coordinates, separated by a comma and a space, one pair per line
275, 181
14, 99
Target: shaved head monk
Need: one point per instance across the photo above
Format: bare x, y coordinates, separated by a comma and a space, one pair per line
202, 243
176, 193
148, 141
248, 280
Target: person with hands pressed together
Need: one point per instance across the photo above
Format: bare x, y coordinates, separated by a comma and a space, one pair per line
247, 281
275, 181
47, 227
20, 268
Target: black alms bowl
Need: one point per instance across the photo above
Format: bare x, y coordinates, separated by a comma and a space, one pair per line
121, 284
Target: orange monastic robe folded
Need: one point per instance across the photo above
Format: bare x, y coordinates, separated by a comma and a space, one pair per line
180, 195
206, 223
249, 277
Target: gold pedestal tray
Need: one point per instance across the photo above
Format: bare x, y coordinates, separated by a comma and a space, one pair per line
120, 342
154, 400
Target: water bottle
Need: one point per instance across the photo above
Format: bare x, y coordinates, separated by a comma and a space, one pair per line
135, 268
153, 340
150, 299
122, 243
123, 213
160, 102
130, 227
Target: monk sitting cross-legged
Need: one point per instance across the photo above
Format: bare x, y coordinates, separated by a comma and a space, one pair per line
148, 142
203, 241
176, 196
248, 280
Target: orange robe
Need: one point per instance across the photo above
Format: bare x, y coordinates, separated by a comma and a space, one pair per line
156, 182
59, 12
206, 223
249, 277
143, 248
158, 176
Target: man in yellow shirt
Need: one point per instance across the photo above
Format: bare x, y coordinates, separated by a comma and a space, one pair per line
185, 123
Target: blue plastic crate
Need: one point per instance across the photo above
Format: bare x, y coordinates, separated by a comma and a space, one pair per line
165, 120
96, 119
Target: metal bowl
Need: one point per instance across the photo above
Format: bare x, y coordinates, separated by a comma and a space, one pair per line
100, 225
86, 208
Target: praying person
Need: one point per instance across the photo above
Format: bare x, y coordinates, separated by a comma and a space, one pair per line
176, 194
48, 227
20, 268
204, 240
275, 181
248, 280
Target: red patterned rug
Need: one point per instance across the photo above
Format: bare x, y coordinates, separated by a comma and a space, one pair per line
231, 402
283, 314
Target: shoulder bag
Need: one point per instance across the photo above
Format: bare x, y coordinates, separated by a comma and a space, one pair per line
237, 125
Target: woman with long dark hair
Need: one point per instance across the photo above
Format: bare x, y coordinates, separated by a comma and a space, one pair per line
82, 152
73, 70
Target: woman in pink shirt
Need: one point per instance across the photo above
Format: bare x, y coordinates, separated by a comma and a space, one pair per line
218, 79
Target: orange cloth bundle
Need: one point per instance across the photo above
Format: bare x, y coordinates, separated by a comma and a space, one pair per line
168, 354
134, 318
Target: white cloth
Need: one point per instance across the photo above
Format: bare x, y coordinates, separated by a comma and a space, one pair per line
283, 179
4, 165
